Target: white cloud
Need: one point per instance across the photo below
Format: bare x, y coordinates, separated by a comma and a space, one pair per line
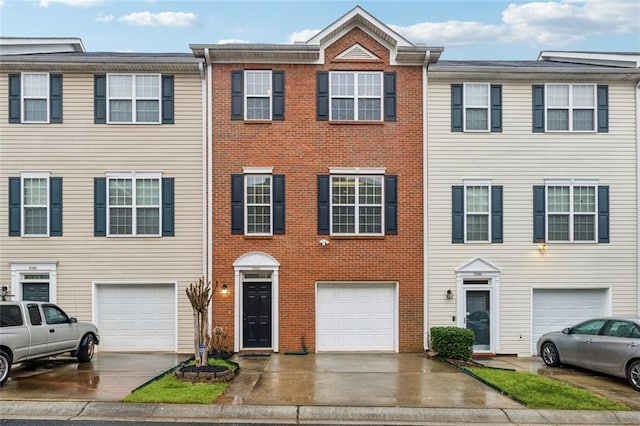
231, 41
3, 3
164, 19
303, 35
452, 33
541, 23
80, 3
102, 17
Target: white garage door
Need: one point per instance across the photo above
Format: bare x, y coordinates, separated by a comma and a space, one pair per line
556, 309
136, 317
356, 317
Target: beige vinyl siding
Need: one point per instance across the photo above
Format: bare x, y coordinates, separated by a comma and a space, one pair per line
519, 159
79, 150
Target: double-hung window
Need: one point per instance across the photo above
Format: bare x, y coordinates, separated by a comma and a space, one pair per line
35, 205
571, 210
133, 98
35, 98
357, 202
134, 204
258, 95
257, 202
356, 96
571, 107
476, 212
476, 107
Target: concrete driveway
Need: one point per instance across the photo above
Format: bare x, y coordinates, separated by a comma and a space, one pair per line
108, 377
610, 387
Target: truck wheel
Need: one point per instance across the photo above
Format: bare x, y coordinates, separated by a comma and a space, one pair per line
85, 352
5, 367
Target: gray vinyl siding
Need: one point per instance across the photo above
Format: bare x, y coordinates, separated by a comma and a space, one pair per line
79, 150
519, 159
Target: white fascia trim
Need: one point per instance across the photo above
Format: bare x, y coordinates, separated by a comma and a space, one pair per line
357, 170
257, 170
638, 192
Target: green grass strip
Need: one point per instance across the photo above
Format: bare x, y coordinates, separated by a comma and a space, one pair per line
539, 392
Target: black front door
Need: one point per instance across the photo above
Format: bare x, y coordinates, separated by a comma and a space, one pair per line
256, 320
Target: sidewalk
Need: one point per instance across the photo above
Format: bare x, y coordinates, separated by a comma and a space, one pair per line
86, 412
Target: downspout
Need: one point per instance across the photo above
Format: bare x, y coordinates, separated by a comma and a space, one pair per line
425, 215
203, 88
638, 198
209, 166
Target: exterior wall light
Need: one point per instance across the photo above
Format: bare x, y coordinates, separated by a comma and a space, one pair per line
542, 247
449, 294
225, 289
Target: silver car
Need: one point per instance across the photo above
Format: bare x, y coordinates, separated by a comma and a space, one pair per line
606, 345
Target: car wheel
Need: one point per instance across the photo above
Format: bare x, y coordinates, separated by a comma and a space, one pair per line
550, 354
633, 374
85, 353
5, 367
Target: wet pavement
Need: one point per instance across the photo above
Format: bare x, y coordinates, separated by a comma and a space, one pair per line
321, 380
108, 377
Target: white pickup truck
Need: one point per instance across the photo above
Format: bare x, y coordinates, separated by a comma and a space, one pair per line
32, 330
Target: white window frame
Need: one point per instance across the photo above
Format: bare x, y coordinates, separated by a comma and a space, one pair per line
25, 98
465, 90
23, 207
476, 183
357, 173
570, 107
257, 172
133, 176
268, 95
356, 96
572, 184
134, 98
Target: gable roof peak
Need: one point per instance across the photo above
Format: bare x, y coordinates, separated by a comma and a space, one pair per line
358, 17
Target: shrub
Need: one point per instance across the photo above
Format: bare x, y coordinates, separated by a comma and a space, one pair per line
452, 342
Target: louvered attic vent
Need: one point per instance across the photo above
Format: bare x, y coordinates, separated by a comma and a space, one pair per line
356, 52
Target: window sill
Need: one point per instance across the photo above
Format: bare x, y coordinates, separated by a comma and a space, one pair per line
356, 122
269, 122
357, 237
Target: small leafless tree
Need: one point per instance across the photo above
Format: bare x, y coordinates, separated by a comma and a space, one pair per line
200, 295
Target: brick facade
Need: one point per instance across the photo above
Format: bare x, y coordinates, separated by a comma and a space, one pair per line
302, 148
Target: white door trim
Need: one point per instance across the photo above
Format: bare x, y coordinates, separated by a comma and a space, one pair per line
255, 262
20, 268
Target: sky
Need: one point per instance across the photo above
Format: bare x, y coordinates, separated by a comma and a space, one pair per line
467, 29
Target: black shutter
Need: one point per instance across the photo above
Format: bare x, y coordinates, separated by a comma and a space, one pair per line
539, 219
100, 207
323, 205
237, 95
14, 100
322, 96
603, 214
537, 100
391, 204
456, 108
168, 209
100, 98
55, 98
278, 204
496, 108
603, 109
237, 204
457, 214
167, 99
55, 206
14, 207
389, 96
278, 95
496, 213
